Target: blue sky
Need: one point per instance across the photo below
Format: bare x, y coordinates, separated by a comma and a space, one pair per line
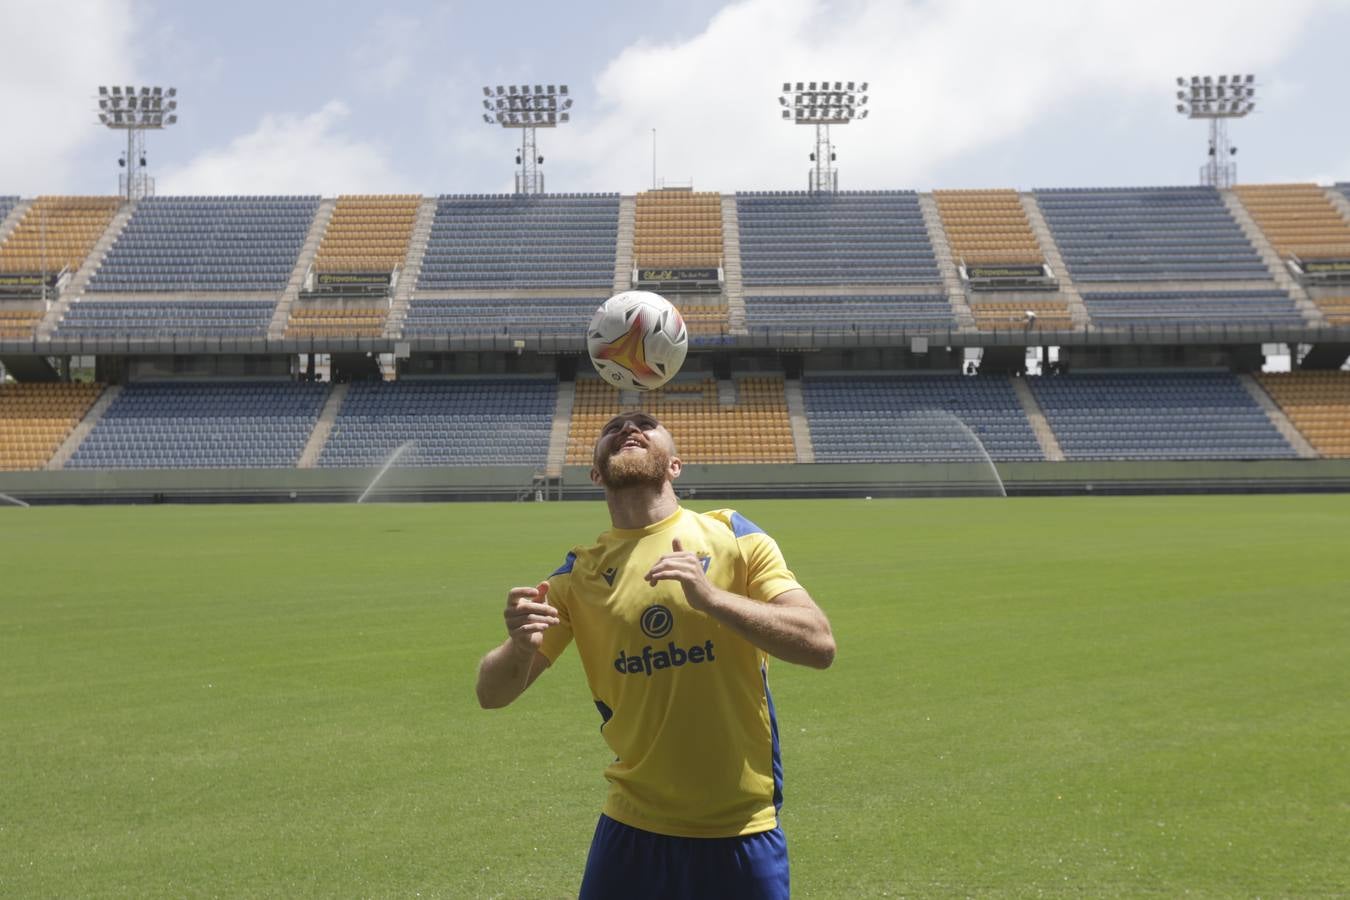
310, 97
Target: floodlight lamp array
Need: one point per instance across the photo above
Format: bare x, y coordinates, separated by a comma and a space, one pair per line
1211, 97
519, 106
823, 102
130, 108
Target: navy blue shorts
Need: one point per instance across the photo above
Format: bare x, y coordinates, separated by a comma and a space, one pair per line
627, 862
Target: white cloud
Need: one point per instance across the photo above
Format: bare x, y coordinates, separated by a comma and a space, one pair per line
947, 79
55, 55
288, 154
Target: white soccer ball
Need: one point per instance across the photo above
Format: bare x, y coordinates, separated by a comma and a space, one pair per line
637, 340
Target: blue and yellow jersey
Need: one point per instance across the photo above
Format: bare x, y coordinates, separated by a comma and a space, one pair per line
684, 700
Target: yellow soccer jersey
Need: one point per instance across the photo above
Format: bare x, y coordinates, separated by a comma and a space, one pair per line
684, 700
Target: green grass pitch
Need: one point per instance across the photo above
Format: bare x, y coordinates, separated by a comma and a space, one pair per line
1063, 697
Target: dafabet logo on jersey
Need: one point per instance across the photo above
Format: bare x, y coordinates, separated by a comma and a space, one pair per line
656, 622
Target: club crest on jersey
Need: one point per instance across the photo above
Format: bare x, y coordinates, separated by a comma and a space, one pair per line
706, 559
609, 574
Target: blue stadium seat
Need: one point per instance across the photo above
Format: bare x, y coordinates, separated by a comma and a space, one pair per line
1148, 234
244, 244
850, 237
465, 422
505, 241
1157, 416
916, 418
204, 425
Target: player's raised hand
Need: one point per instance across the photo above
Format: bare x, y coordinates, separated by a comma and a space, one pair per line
683, 566
529, 615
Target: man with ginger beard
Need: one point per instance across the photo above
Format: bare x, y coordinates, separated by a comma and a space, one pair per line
675, 615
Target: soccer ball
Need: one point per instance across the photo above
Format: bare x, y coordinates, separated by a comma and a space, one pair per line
637, 340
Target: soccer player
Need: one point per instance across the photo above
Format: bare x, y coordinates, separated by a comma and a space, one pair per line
674, 614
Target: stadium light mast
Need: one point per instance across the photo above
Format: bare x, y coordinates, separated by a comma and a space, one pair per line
823, 104
516, 106
1217, 99
136, 111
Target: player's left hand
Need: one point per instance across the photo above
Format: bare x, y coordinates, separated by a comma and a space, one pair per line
683, 566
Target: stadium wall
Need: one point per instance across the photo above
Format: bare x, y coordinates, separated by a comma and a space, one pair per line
710, 481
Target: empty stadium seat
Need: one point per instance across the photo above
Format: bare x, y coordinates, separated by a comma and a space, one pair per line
1157, 416
678, 228
1297, 219
1318, 405
56, 233
849, 237
465, 422
203, 425
916, 418
849, 313
526, 241
1148, 234
35, 419
367, 233
235, 244
988, 227
1205, 307
160, 319
431, 317
753, 429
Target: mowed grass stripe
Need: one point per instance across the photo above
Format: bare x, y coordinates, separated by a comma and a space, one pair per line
1105, 696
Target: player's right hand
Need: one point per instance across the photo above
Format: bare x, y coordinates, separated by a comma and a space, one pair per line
529, 615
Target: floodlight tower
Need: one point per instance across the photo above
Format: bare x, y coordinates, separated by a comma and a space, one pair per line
823, 104
136, 111
516, 106
1218, 100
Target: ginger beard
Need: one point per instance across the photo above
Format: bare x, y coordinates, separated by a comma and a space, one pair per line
618, 469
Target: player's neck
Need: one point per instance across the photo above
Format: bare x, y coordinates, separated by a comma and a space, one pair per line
641, 505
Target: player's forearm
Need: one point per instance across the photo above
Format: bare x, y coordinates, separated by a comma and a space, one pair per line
795, 634
503, 675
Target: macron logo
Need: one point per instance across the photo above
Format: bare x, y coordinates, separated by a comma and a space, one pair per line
650, 660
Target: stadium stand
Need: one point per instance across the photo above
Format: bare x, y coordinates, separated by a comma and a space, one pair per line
147, 319
1297, 219
1012, 315
312, 321
1318, 405
7, 204
203, 425
466, 422
1336, 310
235, 244
845, 313
918, 418
1157, 416
1240, 307
753, 429
56, 233
850, 237
1148, 234
505, 241
429, 317
367, 233
36, 418
18, 323
705, 321
988, 227
678, 228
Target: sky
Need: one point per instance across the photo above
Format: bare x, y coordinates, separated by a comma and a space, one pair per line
332, 98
